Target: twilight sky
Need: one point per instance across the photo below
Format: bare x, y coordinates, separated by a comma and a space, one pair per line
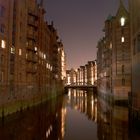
79, 24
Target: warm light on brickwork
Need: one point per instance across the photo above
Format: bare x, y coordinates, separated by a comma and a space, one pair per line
3, 44
122, 39
20, 52
122, 20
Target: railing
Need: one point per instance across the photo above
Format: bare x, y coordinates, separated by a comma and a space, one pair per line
80, 85
32, 23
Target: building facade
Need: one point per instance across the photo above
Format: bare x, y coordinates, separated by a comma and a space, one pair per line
135, 53
114, 57
83, 75
32, 59
114, 76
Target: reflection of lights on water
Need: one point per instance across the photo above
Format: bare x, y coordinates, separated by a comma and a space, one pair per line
95, 113
86, 107
69, 95
63, 112
75, 107
56, 115
95, 99
92, 103
48, 132
92, 108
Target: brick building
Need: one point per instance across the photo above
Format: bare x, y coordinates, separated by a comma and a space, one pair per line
135, 52
30, 61
114, 57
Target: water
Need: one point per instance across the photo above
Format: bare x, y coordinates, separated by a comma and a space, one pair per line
70, 117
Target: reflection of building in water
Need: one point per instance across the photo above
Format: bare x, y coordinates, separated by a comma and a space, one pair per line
46, 121
112, 121
83, 101
114, 77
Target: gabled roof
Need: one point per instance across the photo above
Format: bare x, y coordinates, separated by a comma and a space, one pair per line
122, 11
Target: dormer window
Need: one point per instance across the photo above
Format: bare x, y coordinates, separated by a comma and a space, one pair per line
122, 21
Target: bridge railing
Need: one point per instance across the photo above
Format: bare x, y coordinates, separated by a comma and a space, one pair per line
80, 84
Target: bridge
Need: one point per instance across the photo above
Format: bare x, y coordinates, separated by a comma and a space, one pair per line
80, 85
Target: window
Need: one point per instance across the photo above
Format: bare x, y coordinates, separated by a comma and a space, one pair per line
12, 50
123, 82
138, 43
122, 39
2, 76
2, 11
110, 46
3, 44
2, 59
122, 20
134, 47
2, 28
122, 69
20, 52
35, 48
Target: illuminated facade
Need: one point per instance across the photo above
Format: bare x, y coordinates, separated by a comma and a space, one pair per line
6, 10
114, 77
135, 52
83, 75
71, 77
91, 69
32, 60
114, 58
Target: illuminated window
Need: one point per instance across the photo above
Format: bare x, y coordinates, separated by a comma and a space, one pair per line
20, 52
122, 20
122, 39
12, 50
44, 56
3, 44
110, 46
2, 76
35, 48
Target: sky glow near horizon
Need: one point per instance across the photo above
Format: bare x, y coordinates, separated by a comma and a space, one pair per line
80, 24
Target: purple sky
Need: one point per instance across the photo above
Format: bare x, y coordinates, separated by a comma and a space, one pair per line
79, 24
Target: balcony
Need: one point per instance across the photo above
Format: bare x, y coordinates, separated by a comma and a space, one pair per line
32, 23
32, 12
31, 69
32, 58
35, 59
32, 36
31, 48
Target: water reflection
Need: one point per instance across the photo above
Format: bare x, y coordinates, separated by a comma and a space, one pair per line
71, 117
46, 121
83, 101
112, 121
81, 115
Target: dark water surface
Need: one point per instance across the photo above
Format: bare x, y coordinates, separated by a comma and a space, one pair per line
70, 117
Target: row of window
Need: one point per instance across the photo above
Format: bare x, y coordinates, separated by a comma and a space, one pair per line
2, 28
3, 44
2, 11
136, 48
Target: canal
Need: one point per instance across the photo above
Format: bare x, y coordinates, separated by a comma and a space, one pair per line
79, 115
